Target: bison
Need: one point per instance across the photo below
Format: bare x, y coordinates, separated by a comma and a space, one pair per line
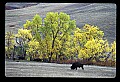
77, 64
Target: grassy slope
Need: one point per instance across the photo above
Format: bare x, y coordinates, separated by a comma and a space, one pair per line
102, 15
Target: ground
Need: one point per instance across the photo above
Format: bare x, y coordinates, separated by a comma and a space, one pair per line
39, 69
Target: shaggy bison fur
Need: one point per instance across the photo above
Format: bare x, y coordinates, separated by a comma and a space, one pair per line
77, 64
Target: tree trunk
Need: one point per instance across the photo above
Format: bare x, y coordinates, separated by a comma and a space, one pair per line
50, 56
56, 57
13, 52
30, 58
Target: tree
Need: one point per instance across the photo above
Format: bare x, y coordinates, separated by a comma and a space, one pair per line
90, 40
22, 38
24, 34
9, 43
113, 51
55, 27
33, 47
35, 28
58, 24
93, 49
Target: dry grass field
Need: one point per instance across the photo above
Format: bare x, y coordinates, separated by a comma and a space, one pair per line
39, 69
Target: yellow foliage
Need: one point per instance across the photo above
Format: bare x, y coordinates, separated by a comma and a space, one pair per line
24, 33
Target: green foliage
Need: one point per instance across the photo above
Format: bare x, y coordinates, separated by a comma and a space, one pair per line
37, 21
27, 25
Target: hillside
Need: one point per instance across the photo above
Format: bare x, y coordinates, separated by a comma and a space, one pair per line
10, 6
99, 14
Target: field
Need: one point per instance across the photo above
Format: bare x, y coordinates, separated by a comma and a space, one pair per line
39, 69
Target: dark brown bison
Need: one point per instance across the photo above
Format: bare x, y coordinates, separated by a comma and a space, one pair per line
76, 64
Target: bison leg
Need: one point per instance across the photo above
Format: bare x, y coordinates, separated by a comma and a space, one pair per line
82, 68
76, 68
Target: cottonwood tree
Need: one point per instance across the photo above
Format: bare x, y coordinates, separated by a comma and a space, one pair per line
113, 51
58, 24
22, 38
33, 48
55, 27
9, 43
90, 40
